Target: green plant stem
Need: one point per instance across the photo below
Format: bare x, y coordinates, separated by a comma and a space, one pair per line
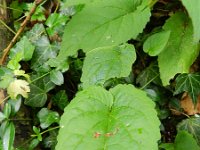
40, 77
34, 135
10, 8
2, 22
149, 82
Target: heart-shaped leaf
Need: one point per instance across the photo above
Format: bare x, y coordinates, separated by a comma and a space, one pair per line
122, 118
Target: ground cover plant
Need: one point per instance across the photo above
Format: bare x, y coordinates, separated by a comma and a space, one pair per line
99, 74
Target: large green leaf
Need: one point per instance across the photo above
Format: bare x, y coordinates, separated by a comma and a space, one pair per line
191, 125
193, 8
189, 83
181, 51
39, 87
185, 141
104, 23
122, 118
68, 3
104, 63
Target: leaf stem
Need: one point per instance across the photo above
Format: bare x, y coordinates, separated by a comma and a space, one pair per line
149, 82
3, 23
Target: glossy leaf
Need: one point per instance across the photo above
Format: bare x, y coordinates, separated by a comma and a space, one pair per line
60, 99
8, 136
2, 117
191, 125
44, 51
185, 141
54, 22
188, 83
56, 77
181, 51
7, 110
149, 75
104, 23
193, 10
39, 87
6, 77
59, 64
116, 119
15, 105
104, 63
23, 51
33, 144
51, 140
156, 43
47, 117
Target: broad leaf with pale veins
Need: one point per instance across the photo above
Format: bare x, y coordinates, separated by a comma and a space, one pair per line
122, 118
191, 125
104, 23
104, 63
188, 83
39, 87
180, 51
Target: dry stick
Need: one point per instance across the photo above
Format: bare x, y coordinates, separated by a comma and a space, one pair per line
21, 29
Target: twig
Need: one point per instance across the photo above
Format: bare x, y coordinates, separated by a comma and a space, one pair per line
21, 29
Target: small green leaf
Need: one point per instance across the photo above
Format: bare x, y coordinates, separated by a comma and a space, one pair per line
185, 141
18, 87
104, 63
156, 43
23, 51
33, 144
6, 77
59, 64
39, 87
98, 119
2, 117
167, 146
15, 105
56, 77
60, 99
37, 132
9, 136
180, 51
191, 125
104, 23
7, 110
193, 10
188, 83
47, 117
54, 22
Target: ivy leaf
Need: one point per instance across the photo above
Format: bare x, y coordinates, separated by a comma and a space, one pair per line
6, 77
18, 87
104, 23
44, 51
23, 51
193, 10
59, 64
39, 87
188, 83
148, 75
100, 119
60, 99
179, 54
185, 141
104, 63
47, 117
35, 33
191, 125
156, 43
56, 77
54, 22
